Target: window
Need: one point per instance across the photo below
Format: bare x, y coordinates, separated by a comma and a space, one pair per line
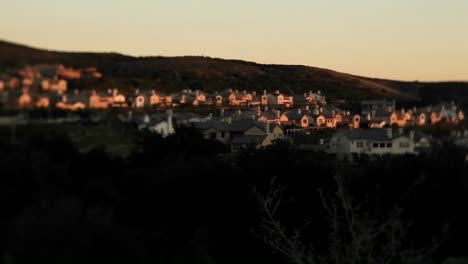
212, 135
375, 145
404, 144
223, 134
304, 121
389, 145
360, 144
382, 145
356, 119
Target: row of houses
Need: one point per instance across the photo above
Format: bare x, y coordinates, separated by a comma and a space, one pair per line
29, 98
378, 114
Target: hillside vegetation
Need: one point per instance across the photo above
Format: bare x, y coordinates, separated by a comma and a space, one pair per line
170, 74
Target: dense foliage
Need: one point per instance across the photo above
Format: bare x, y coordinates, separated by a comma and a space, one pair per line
184, 199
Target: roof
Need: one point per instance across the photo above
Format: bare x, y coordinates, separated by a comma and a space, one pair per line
367, 134
218, 125
297, 98
248, 139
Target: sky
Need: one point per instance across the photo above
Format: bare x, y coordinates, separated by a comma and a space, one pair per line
424, 40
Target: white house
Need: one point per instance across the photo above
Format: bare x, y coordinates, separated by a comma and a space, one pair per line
371, 142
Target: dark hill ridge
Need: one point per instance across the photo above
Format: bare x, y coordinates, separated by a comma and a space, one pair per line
169, 74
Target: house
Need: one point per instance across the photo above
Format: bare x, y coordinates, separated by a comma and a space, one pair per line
241, 134
99, 100
25, 100
272, 116
2, 85
157, 98
325, 120
118, 99
73, 102
448, 112
371, 142
315, 98
400, 118
257, 136
367, 106
188, 118
419, 118
300, 118
277, 99
216, 130
162, 126
59, 85
42, 102
353, 121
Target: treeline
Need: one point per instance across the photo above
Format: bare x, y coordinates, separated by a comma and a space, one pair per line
184, 199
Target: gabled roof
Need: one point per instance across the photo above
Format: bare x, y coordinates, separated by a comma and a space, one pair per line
377, 134
218, 125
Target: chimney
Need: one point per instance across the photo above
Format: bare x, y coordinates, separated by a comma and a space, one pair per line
169, 120
276, 92
264, 92
400, 131
230, 90
197, 93
245, 92
305, 95
254, 93
153, 91
267, 127
137, 91
373, 114
403, 110
146, 119
221, 113
389, 132
76, 91
228, 120
414, 109
254, 117
333, 112
64, 98
310, 92
319, 92
109, 91
299, 111
278, 114
114, 92
307, 107
265, 109
239, 112
369, 117
129, 117
411, 134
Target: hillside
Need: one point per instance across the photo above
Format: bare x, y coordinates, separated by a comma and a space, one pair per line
169, 74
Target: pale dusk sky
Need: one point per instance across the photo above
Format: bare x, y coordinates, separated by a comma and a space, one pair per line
424, 40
